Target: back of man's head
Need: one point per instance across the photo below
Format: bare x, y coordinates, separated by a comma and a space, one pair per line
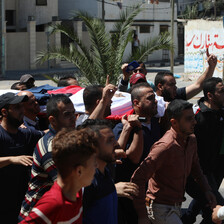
90, 95
52, 104
136, 90
176, 107
160, 77
72, 148
66, 81
96, 125
209, 86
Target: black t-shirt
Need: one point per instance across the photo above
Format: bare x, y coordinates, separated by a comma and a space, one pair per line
14, 178
181, 93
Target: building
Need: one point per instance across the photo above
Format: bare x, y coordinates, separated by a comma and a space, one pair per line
26, 32
154, 20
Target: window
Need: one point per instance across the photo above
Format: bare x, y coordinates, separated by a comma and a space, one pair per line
145, 29
10, 17
163, 28
41, 2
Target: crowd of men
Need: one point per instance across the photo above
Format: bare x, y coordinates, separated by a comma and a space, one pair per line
85, 169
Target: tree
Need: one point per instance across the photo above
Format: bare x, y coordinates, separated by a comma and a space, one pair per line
105, 55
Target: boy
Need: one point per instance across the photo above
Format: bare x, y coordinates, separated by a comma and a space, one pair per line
74, 154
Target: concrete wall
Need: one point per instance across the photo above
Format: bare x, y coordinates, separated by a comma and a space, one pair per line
199, 35
10, 5
43, 14
17, 48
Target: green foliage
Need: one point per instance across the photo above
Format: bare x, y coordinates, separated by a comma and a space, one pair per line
105, 56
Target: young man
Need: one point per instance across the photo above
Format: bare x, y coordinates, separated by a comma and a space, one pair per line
137, 75
167, 167
97, 101
61, 114
74, 154
16, 151
209, 132
165, 83
100, 198
136, 138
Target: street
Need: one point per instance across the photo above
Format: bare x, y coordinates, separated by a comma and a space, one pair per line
179, 70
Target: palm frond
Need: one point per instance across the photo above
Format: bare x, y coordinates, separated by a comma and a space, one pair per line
163, 41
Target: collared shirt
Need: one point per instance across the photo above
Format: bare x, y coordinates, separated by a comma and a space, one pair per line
43, 173
166, 169
31, 124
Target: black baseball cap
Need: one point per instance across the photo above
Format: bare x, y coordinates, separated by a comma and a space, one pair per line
11, 98
25, 78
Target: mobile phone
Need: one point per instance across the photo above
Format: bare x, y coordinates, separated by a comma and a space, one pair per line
142, 119
132, 66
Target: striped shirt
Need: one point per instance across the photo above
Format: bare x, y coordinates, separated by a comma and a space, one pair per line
43, 173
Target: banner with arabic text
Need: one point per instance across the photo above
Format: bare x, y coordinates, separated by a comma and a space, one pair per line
199, 35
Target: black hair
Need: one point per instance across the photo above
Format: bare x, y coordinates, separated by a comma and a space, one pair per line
175, 108
160, 77
90, 95
95, 125
52, 104
15, 86
136, 90
63, 81
209, 86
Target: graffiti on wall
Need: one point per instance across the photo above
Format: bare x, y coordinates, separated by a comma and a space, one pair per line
196, 42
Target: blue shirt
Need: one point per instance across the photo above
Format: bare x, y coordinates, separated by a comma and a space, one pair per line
100, 200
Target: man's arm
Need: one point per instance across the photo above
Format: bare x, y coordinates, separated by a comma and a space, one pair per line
123, 85
16, 160
135, 150
108, 93
196, 87
144, 172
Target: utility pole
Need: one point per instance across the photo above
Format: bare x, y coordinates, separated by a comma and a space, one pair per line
2, 36
214, 5
172, 35
103, 11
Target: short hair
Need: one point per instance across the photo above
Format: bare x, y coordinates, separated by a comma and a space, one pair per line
52, 104
63, 81
91, 94
72, 148
209, 85
136, 90
15, 86
160, 77
95, 125
176, 107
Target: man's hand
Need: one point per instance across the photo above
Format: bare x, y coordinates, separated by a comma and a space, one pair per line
126, 74
131, 120
126, 189
108, 93
120, 154
215, 218
23, 126
22, 160
211, 199
211, 59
